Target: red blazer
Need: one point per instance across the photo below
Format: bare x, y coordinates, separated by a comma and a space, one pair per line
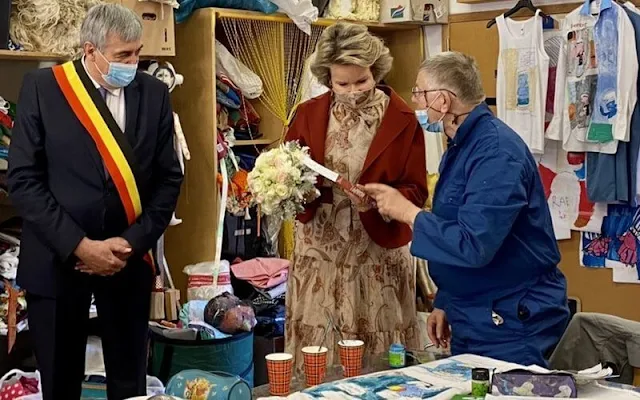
396, 158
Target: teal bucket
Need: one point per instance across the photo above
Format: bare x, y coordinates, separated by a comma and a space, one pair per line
233, 355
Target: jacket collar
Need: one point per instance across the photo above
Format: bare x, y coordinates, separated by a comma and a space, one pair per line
465, 130
586, 6
396, 118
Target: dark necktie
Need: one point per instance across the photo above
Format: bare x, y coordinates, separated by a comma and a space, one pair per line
103, 93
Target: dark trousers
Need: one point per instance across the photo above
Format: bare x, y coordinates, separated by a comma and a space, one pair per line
59, 330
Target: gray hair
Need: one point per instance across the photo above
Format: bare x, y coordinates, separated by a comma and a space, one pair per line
105, 19
456, 72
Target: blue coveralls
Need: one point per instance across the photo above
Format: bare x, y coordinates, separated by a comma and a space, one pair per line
491, 248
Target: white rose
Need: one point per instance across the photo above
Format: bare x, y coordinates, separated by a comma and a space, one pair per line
256, 186
282, 191
295, 173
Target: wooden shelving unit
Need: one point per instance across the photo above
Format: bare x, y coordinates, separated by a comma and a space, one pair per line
14, 55
256, 142
193, 241
277, 17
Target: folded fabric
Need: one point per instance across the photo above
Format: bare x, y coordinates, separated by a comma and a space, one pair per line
262, 273
276, 291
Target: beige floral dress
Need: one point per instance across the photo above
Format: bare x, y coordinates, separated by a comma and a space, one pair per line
368, 291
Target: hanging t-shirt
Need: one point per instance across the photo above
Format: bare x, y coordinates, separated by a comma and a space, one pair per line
523, 68
552, 45
634, 15
613, 177
596, 79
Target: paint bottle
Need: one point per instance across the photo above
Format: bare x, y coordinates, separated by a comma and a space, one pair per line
479, 382
397, 356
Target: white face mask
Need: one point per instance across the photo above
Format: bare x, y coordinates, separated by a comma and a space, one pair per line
423, 119
118, 74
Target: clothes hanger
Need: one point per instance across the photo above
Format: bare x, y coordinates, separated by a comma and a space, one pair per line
519, 5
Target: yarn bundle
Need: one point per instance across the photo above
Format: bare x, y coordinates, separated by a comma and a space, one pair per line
51, 26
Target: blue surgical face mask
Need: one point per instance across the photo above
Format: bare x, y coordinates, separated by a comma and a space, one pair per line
430, 126
119, 74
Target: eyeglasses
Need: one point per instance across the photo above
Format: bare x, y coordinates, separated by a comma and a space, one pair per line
417, 91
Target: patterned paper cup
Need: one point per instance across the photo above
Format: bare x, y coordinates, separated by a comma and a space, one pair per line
351, 352
279, 369
315, 364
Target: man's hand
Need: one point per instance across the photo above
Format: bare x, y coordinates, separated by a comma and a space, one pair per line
392, 204
438, 328
361, 206
120, 247
100, 257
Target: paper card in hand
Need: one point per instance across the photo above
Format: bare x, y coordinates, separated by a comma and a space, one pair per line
344, 184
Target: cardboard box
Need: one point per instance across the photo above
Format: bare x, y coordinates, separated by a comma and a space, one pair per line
425, 12
172, 304
158, 37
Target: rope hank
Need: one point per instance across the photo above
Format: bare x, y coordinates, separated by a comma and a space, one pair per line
51, 26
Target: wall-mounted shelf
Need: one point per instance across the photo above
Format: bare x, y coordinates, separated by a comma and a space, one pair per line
16, 55
277, 17
255, 142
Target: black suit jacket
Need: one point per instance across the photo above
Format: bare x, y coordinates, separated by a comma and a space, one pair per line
58, 184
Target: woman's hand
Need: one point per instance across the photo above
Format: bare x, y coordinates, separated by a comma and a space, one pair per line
392, 204
438, 328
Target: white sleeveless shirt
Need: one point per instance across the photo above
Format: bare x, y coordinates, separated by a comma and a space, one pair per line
523, 70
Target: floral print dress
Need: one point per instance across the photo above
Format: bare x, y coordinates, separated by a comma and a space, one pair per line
368, 291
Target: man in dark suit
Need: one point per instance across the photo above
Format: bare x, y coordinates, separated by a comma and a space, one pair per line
93, 173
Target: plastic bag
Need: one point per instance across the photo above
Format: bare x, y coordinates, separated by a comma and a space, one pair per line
229, 315
20, 385
302, 12
242, 76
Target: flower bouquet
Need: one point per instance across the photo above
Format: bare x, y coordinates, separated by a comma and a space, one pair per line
281, 183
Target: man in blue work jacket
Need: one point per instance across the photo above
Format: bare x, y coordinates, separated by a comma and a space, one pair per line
489, 239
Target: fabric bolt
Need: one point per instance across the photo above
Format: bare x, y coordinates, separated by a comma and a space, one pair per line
262, 273
595, 79
523, 69
490, 244
12, 392
368, 291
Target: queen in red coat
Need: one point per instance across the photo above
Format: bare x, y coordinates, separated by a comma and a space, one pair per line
349, 262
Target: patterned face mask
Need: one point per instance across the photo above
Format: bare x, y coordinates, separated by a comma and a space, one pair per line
354, 99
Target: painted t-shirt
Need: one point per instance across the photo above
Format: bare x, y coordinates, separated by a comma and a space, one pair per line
595, 79
613, 177
552, 46
523, 68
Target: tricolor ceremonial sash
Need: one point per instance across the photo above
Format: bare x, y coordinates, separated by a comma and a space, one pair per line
114, 148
